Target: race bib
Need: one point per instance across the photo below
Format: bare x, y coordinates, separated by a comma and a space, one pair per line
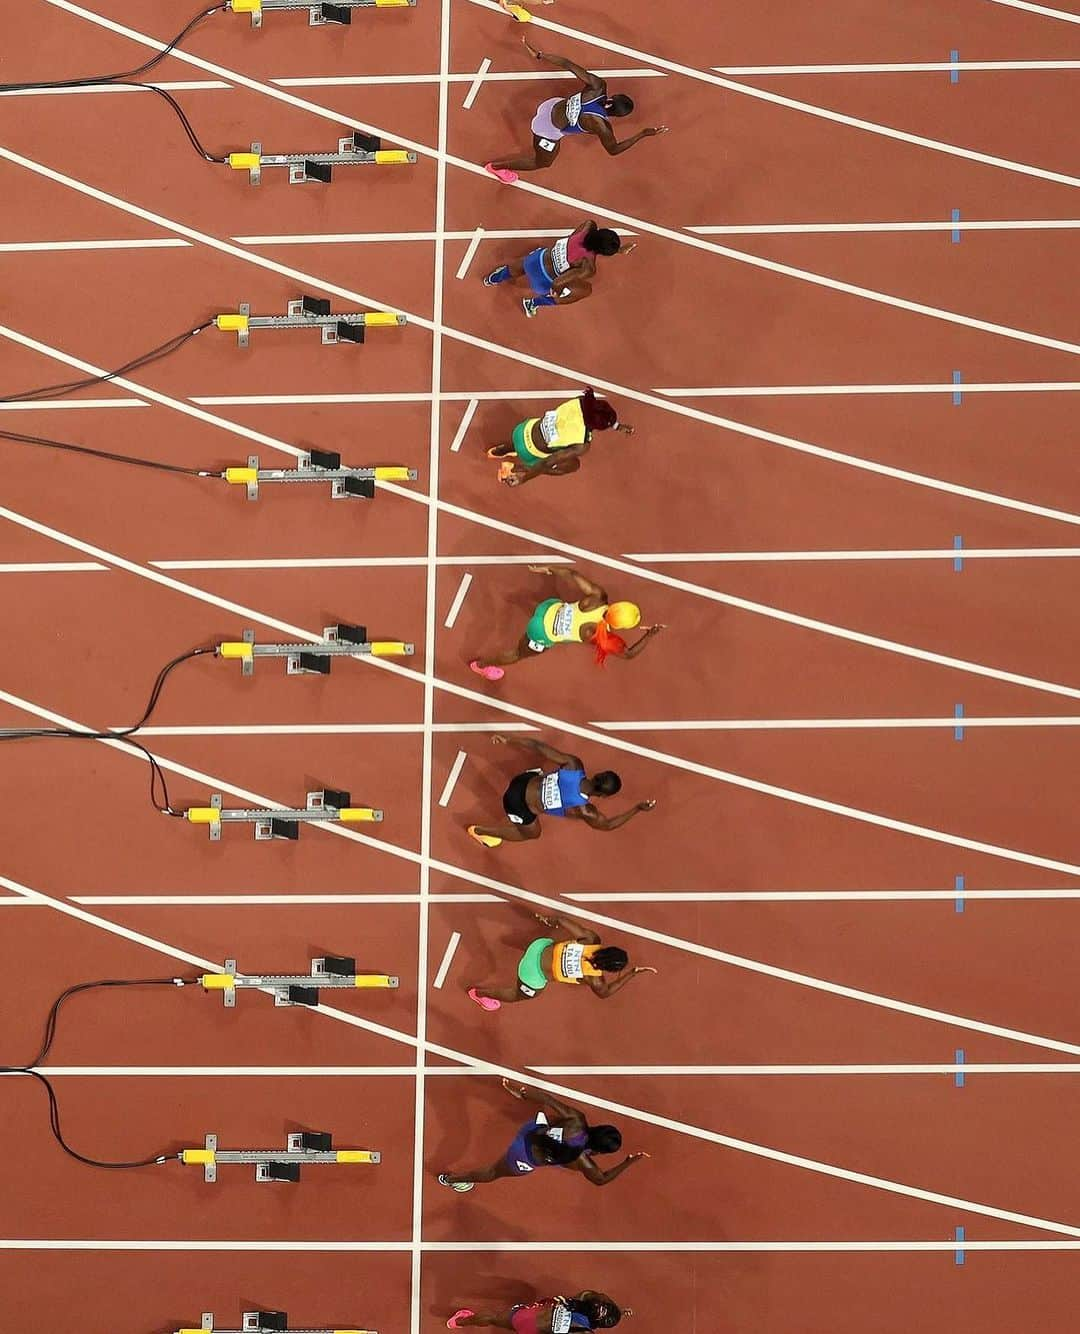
573, 109
548, 145
573, 958
560, 255
549, 426
564, 621
560, 1320
550, 796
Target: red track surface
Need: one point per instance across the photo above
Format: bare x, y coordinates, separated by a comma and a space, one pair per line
750, 811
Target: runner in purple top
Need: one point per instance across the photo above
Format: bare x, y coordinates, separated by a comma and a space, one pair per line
588, 111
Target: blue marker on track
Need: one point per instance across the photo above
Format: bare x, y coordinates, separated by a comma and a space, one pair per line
957, 397
958, 561
958, 730
954, 59
959, 1061
956, 230
958, 889
958, 1254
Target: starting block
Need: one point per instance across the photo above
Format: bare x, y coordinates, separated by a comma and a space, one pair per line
333, 972
305, 1147
262, 1322
354, 150
331, 806
309, 312
318, 15
341, 641
320, 465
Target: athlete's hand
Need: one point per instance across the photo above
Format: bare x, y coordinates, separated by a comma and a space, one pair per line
633, 1157
654, 629
544, 921
513, 479
642, 968
646, 805
498, 739
654, 130
626, 430
532, 49
541, 569
627, 249
514, 1092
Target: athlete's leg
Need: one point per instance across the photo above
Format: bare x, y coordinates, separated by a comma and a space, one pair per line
544, 152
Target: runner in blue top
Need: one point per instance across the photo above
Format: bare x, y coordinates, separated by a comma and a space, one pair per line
565, 791
588, 111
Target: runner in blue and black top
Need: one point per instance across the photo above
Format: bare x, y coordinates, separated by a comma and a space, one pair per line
589, 111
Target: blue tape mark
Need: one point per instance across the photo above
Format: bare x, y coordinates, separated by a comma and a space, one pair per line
959, 1061
958, 1254
958, 561
958, 731
954, 74
956, 230
957, 397
958, 887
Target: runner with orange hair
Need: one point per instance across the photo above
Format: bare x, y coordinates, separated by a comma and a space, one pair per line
584, 615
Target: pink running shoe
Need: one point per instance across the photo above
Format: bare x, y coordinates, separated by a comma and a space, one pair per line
488, 1003
507, 177
452, 1323
488, 673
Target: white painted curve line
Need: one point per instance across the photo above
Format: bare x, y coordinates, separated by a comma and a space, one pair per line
463, 428
459, 598
447, 959
477, 83
455, 774
31, 247
1044, 10
473, 246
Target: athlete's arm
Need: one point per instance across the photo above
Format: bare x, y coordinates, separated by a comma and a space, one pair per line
613, 147
604, 990
559, 757
635, 649
550, 465
597, 820
593, 82
579, 586
582, 934
600, 1176
525, 1094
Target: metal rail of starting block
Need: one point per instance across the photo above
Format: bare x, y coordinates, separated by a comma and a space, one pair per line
355, 150
306, 313
330, 806
320, 465
306, 1147
263, 1322
318, 15
341, 641
336, 972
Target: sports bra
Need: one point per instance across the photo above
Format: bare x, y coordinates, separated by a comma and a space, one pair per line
572, 962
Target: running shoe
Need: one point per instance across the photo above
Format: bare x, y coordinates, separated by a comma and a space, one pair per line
460, 1186
530, 308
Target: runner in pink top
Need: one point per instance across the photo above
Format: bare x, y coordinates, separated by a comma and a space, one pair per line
561, 274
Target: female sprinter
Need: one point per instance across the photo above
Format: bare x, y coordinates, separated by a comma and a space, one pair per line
591, 619
553, 445
560, 274
566, 791
550, 1315
579, 959
564, 1140
588, 111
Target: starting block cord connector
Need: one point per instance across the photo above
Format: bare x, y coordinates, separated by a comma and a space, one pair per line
46, 1045
330, 806
306, 313
267, 1322
304, 1148
318, 14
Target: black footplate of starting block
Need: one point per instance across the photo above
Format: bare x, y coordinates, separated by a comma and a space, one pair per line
271, 1320
320, 1140
363, 488
366, 143
352, 634
318, 171
337, 798
304, 995
325, 458
314, 305
314, 662
337, 965
284, 829
350, 333
335, 14
282, 1171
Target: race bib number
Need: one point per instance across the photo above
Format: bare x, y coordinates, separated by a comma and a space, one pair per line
523, 1167
535, 647
549, 426
564, 621
560, 255
548, 145
572, 960
560, 1320
573, 109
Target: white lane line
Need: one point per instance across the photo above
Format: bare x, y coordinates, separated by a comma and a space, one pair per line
836, 390
915, 67
1044, 10
271, 900
921, 553
459, 598
463, 427
447, 960
671, 896
423, 1046
470, 253
53, 567
475, 86
511, 76
74, 403
454, 775
756, 261
763, 95
362, 562
31, 247
771, 437
820, 724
